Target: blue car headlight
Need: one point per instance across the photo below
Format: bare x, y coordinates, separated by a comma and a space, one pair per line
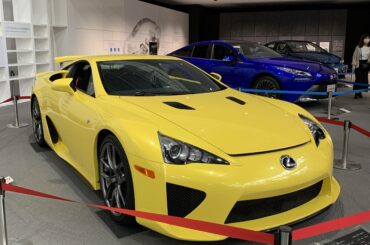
316, 130
178, 152
294, 71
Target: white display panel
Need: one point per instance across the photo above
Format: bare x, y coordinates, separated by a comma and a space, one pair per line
129, 22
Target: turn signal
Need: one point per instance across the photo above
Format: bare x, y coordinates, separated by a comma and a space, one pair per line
146, 172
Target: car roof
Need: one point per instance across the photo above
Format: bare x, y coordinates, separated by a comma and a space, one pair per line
221, 42
98, 58
301, 41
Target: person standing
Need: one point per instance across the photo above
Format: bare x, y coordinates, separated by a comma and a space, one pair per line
361, 63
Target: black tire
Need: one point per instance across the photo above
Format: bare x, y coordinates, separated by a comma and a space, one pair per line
115, 178
267, 83
38, 130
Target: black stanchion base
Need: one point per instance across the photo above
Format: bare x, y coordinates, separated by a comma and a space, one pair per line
338, 164
21, 125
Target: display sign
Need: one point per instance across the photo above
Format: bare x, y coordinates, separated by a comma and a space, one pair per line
330, 88
17, 30
113, 46
357, 236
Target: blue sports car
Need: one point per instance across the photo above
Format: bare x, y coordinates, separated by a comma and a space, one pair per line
250, 65
309, 51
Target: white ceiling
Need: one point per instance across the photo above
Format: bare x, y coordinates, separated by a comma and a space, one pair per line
230, 3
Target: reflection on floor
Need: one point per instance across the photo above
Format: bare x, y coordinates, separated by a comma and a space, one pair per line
38, 221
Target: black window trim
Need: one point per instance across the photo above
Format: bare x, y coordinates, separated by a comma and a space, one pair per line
77, 63
231, 48
208, 51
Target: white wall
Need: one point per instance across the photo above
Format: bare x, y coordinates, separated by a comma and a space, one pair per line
94, 26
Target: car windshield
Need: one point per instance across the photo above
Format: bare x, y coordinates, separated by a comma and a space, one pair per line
254, 50
154, 77
305, 47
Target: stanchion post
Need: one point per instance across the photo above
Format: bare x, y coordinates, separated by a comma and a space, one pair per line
15, 102
330, 104
16, 112
343, 163
283, 236
4, 234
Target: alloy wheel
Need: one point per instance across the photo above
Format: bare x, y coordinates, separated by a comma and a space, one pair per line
36, 122
113, 177
267, 84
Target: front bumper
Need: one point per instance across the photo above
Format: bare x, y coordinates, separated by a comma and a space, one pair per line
315, 88
317, 83
251, 177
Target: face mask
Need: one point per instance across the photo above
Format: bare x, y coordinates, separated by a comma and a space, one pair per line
366, 40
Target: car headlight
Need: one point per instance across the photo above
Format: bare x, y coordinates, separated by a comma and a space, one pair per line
178, 152
294, 71
316, 130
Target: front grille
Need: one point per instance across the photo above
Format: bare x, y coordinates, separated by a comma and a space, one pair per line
258, 208
181, 200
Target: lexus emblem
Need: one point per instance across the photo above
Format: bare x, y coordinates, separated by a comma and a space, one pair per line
287, 162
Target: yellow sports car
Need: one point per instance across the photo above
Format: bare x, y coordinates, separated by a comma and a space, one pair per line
158, 134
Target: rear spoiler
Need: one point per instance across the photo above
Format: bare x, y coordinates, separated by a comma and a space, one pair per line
63, 61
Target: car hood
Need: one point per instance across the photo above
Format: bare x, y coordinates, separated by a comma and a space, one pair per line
291, 63
325, 58
233, 127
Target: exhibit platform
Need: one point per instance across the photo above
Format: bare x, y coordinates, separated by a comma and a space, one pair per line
40, 221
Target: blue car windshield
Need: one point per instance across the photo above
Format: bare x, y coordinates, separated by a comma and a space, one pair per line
254, 50
154, 77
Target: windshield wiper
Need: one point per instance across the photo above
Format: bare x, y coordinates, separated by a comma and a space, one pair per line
146, 93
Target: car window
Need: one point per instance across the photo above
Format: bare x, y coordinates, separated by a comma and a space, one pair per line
200, 51
305, 47
280, 46
184, 52
253, 50
271, 45
82, 77
220, 51
154, 77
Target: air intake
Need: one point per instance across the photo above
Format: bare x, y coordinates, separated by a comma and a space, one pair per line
258, 208
178, 105
182, 200
236, 100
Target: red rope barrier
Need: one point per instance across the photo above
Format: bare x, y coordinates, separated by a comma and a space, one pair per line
341, 123
18, 97
219, 229
331, 225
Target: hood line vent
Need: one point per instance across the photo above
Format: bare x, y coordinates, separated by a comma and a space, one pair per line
178, 105
236, 100
264, 152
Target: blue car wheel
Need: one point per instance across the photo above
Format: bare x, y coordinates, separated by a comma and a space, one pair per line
267, 83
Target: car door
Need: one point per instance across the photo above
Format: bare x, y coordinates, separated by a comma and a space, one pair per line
200, 56
231, 72
80, 118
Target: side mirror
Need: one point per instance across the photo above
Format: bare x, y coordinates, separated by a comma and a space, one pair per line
228, 59
216, 76
63, 85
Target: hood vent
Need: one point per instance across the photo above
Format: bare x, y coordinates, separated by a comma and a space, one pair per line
236, 100
178, 105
